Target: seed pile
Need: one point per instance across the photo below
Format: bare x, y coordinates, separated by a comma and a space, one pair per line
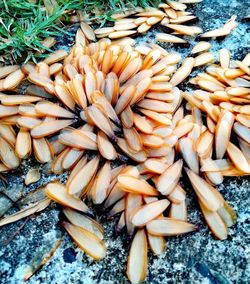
171, 14
111, 113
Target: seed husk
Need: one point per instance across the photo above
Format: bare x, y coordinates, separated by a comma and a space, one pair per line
58, 193
164, 226
163, 37
238, 158
32, 176
136, 185
215, 223
55, 57
201, 47
42, 150
121, 34
23, 145
149, 212
137, 259
168, 180
207, 194
6, 70
84, 222
8, 155
30, 210
87, 241
157, 244
13, 80
82, 177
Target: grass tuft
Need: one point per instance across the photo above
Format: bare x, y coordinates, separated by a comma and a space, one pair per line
24, 24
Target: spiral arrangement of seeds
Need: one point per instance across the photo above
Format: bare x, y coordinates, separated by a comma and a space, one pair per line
111, 113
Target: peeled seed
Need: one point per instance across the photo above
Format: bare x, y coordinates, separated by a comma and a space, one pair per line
161, 119
132, 68
153, 20
182, 19
51, 109
81, 163
153, 13
105, 30
127, 117
182, 73
227, 214
155, 105
176, 5
56, 165
215, 165
152, 141
204, 144
133, 201
28, 122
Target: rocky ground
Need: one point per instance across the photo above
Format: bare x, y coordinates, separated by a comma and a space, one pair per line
193, 258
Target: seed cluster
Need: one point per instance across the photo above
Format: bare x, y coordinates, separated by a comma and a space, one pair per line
121, 102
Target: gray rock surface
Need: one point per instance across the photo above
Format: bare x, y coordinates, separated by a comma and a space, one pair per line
192, 258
